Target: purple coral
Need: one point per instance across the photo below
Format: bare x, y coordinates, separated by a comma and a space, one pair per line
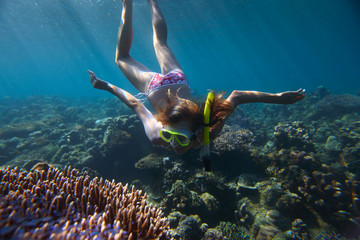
51, 204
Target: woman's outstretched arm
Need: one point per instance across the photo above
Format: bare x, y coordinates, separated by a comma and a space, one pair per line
150, 123
241, 97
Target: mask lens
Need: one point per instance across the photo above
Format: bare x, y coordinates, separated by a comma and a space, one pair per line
182, 139
165, 135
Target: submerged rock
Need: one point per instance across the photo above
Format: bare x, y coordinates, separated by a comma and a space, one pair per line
295, 134
189, 228
210, 201
332, 106
213, 234
233, 138
232, 231
248, 181
266, 232
152, 161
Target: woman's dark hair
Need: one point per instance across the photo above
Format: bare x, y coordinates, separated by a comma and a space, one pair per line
220, 109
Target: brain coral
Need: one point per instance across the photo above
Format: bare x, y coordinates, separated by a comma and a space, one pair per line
51, 204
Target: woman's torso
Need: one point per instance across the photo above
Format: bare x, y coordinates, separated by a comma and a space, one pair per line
160, 85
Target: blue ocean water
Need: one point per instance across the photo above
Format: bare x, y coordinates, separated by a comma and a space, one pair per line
47, 46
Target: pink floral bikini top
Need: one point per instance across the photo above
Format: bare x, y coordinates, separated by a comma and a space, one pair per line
171, 78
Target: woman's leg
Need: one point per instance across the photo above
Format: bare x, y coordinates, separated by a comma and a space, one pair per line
135, 72
164, 55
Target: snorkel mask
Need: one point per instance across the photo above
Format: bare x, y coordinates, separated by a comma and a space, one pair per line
182, 136
205, 153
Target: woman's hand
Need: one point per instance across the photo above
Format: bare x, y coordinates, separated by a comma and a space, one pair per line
292, 96
96, 82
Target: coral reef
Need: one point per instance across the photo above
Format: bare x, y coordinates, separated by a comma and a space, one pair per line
233, 139
151, 162
337, 201
242, 215
332, 144
299, 230
247, 181
188, 228
214, 234
335, 105
184, 200
50, 204
267, 224
279, 171
72, 132
294, 134
232, 231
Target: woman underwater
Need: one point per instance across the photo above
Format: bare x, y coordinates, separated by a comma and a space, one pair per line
178, 123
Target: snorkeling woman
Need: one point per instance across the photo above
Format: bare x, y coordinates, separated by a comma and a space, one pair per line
178, 123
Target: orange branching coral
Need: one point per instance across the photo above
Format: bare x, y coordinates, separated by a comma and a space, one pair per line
51, 204
336, 200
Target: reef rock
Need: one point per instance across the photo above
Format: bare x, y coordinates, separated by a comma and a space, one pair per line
233, 138
152, 161
185, 200
210, 201
248, 181
333, 106
294, 134
189, 228
265, 232
213, 234
231, 231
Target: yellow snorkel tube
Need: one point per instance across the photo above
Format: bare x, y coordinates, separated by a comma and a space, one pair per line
205, 154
